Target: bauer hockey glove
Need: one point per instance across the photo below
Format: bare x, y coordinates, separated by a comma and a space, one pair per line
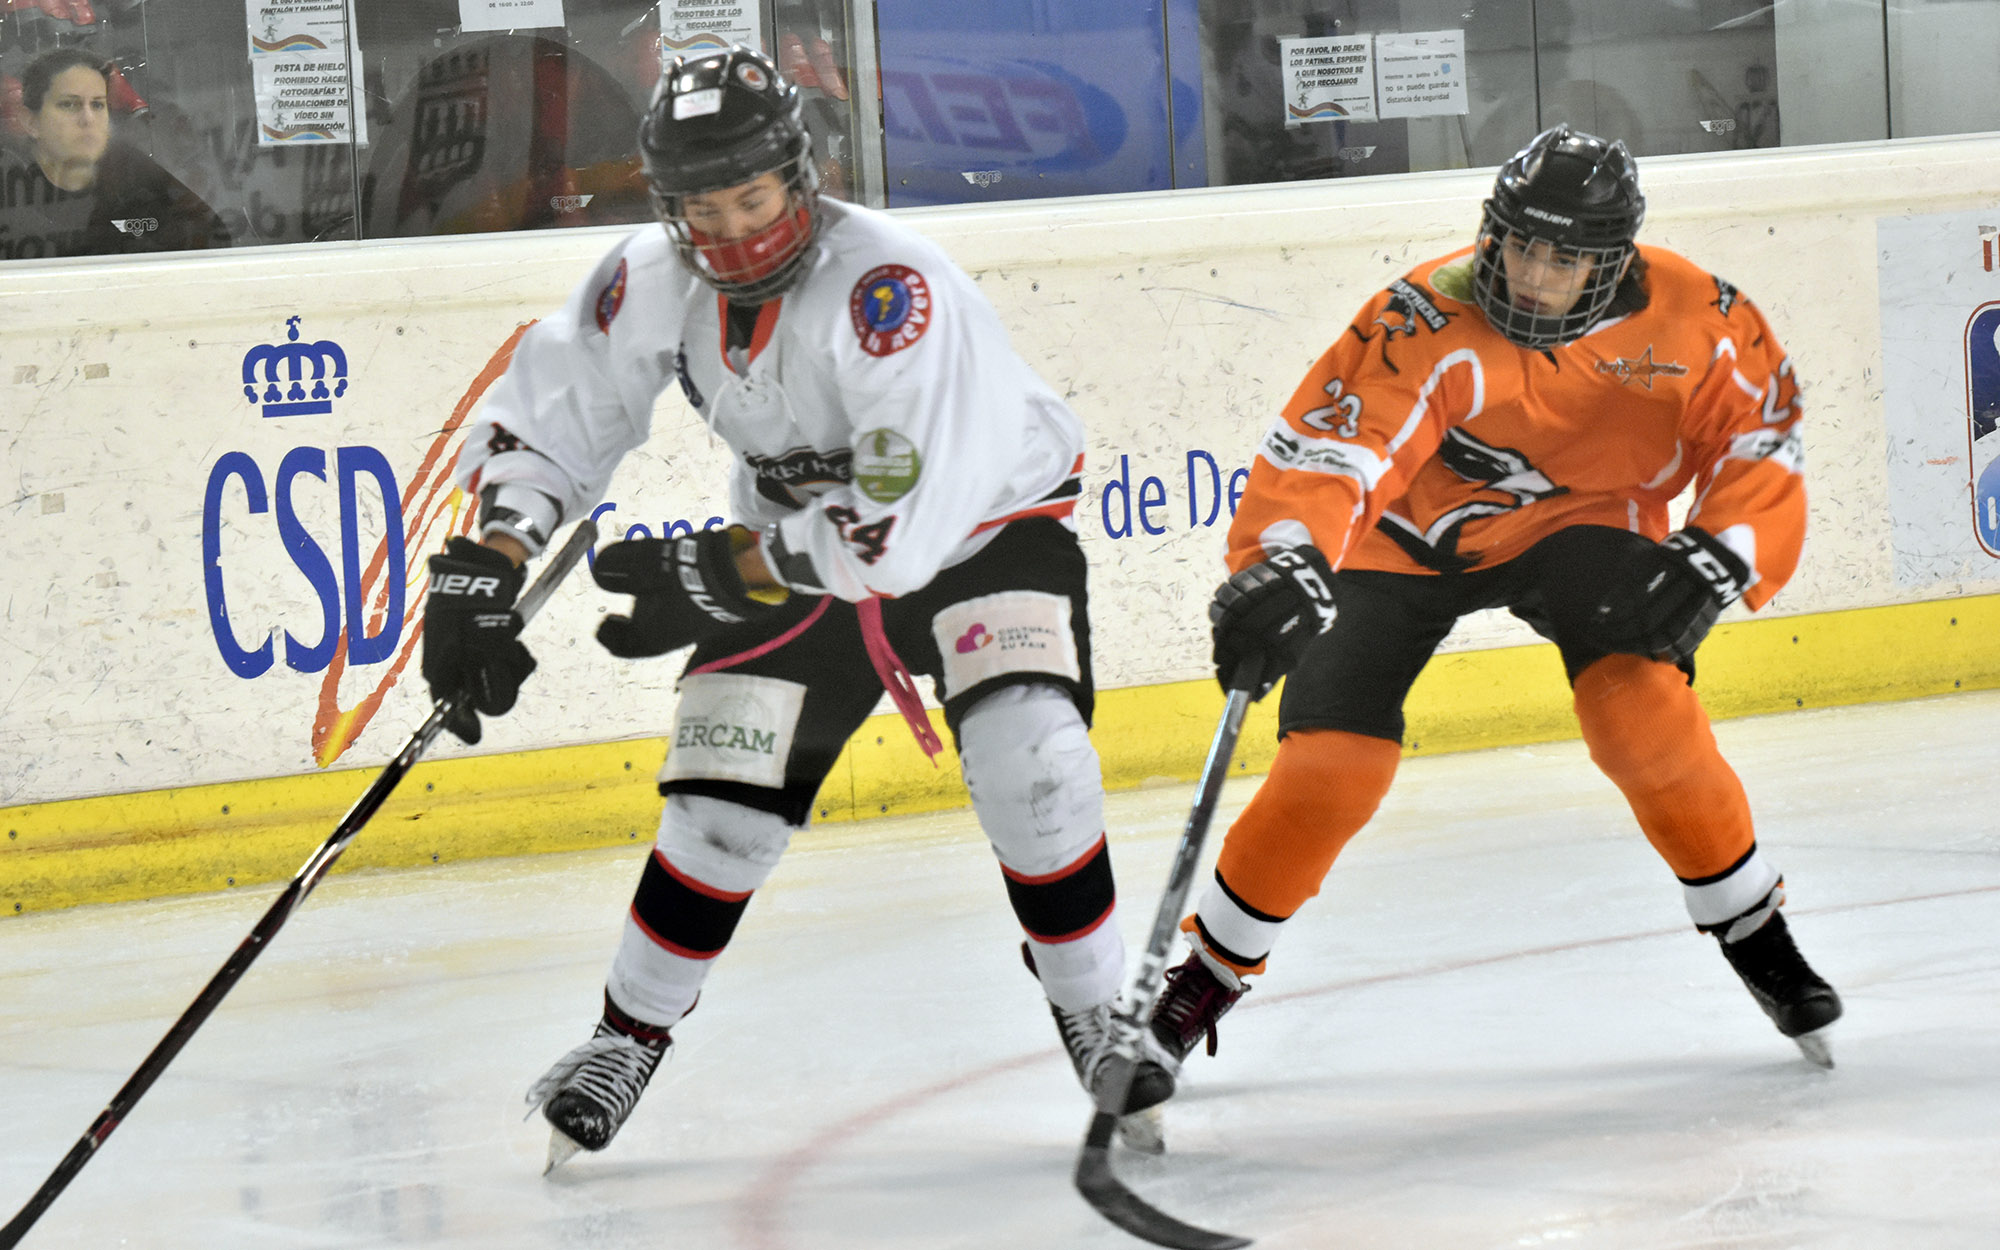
683, 589
472, 649
1664, 599
1266, 616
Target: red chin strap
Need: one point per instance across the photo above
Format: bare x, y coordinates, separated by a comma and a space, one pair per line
757, 256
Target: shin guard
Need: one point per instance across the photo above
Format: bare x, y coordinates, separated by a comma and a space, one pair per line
710, 856
1034, 780
1323, 787
1648, 732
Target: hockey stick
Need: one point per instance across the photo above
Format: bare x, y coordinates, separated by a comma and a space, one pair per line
280, 911
1095, 1180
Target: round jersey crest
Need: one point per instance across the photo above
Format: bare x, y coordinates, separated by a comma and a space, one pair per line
891, 308
611, 298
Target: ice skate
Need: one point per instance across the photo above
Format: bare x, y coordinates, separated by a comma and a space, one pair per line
588, 1094
1796, 998
1195, 996
1087, 1039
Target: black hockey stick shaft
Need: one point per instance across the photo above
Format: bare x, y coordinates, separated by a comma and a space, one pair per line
1095, 1180
274, 919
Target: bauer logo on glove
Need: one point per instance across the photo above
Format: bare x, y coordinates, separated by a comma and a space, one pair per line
683, 590
473, 655
465, 584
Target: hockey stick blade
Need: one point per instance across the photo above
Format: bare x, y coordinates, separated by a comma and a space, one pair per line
288, 901
1102, 1189
1095, 1180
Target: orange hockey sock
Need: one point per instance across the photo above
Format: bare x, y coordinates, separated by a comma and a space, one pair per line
1323, 787
1647, 731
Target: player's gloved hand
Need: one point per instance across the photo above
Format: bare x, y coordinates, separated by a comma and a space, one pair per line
683, 589
472, 648
1266, 616
1664, 599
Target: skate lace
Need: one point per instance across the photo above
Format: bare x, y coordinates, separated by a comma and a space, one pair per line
611, 1068
1086, 1035
1191, 1003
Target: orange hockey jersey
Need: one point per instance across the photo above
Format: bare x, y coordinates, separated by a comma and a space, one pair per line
1424, 442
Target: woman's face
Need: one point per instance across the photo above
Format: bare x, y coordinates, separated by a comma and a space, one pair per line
740, 211
1543, 279
73, 126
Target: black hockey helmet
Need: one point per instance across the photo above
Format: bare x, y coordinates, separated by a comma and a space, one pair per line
1577, 197
719, 120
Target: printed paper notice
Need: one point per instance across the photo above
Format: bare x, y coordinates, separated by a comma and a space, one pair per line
299, 72
1421, 73
692, 26
1329, 79
508, 14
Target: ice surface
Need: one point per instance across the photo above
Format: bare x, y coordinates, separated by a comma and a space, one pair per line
1495, 1028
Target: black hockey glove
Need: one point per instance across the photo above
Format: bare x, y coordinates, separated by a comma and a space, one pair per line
1268, 614
683, 589
1664, 599
472, 649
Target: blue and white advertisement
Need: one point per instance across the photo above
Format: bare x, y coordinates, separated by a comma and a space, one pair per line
1940, 292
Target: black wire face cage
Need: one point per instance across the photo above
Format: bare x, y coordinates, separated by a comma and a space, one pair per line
735, 269
1526, 326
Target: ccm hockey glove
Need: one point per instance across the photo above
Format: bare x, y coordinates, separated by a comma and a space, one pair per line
683, 589
1664, 599
1266, 616
472, 650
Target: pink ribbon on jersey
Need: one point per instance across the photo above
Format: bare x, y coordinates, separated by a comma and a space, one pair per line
896, 677
744, 657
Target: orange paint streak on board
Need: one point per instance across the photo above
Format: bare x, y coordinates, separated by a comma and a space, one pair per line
336, 728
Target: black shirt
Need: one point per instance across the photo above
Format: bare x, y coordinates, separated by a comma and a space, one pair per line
133, 205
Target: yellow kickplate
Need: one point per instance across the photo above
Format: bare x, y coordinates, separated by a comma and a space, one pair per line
214, 837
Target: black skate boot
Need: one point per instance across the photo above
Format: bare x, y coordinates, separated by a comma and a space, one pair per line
1798, 1001
587, 1096
1086, 1036
1190, 1003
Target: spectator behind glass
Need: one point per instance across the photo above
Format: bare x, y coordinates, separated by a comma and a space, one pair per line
68, 188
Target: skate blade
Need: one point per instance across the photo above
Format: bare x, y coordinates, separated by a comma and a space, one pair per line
1815, 1047
561, 1147
1143, 1131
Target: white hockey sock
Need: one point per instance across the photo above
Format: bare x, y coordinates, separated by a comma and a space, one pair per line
1232, 934
709, 857
1736, 902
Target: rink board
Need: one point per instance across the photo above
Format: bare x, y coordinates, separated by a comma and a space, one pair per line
213, 589
222, 836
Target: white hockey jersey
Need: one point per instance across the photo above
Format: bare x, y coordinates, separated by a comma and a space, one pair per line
882, 424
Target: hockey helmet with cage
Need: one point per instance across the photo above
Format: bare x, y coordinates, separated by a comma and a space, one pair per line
717, 121
1570, 197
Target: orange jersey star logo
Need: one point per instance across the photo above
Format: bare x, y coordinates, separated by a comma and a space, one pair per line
1641, 370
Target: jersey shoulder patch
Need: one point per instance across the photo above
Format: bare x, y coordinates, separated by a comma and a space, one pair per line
611, 297
886, 465
890, 308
